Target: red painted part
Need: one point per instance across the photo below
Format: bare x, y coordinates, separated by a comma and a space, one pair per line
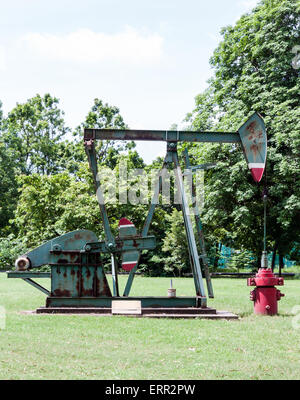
265, 300
265, 277
128, 267
265, 296
257, 173
125, 221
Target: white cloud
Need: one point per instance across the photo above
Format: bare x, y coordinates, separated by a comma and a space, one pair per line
85, 46
2, 58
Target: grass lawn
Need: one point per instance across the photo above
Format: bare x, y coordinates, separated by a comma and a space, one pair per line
93, 347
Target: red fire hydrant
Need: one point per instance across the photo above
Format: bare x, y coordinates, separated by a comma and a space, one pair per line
265, 295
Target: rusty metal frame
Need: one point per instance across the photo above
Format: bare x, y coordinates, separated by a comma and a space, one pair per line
78, 253
172, 138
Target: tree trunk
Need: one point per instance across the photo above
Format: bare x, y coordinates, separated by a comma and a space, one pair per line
274, 256
281, 263
217, 256
258, 262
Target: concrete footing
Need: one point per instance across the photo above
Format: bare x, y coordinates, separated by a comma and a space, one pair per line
155, 312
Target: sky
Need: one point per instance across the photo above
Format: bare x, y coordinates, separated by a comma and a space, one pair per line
150, 58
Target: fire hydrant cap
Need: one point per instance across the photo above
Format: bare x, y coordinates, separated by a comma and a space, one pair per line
265, 277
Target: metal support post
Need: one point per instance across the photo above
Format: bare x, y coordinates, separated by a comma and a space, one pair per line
199, 229
200, 291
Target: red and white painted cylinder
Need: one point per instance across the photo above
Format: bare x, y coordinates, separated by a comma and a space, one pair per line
265, 296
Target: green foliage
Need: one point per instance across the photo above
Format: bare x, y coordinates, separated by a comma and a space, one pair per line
176, 258
253, 72
240, 260
52, 205
40, 206
101, 116
30, 142
8, 188
44, 205
10, 249
33, 131
46, 187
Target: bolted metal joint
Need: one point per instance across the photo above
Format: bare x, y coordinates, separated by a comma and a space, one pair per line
279, 295
111, 246
280, 282
87, 247
171, 146
89, 144
253, 295
57, 248
251, 282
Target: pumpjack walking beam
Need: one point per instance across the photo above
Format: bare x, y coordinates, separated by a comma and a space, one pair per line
164, 136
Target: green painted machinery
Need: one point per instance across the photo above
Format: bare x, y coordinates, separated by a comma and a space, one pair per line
78, 280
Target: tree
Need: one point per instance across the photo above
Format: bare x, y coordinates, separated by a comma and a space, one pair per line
254, 72
176, 254
101, 116
10, 249
8, 187
34, 131
52, 205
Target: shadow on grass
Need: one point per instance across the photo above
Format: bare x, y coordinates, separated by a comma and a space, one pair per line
245, 314
285, 315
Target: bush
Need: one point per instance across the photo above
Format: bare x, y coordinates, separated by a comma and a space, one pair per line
10, 249
240, 260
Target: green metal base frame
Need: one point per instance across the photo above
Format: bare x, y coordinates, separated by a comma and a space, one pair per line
146, 302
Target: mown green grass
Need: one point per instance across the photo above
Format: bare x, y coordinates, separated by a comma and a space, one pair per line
93, 347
